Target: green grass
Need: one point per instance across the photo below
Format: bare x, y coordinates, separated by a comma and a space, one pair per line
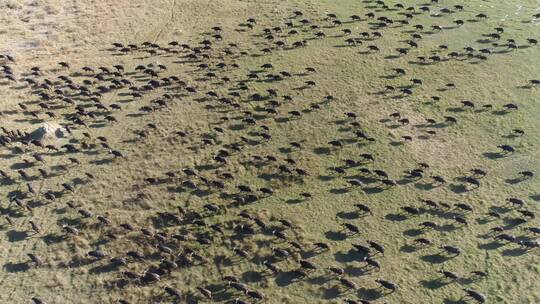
353, 78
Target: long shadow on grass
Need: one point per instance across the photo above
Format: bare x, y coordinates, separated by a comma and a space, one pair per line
287, 278
458, 188
515, 252
425, 186
16, 236
395, 217
326, 178
52, 238
451, 301
494, 155
369, 294
349, 256
336, 235
434, 284
407, 248
535, 197
16, 267
295, 201
252, 277
103, 268
99, 162
339, 190
373, 190
322, 151
320, 280
356, 271
513, 181
331, 293
491, 245
348, 215
436, 258
413, 232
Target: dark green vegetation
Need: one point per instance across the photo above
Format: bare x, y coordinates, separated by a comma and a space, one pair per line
211, 171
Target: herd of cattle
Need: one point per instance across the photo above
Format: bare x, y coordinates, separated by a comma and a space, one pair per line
85, 99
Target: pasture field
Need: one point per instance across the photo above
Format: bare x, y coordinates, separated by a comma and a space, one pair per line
241, 147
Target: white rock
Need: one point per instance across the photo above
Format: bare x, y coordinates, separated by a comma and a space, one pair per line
49, 130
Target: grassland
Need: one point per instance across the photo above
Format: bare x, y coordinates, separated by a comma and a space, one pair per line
356, 79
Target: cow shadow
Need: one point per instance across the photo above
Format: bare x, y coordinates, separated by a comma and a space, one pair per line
16, 267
